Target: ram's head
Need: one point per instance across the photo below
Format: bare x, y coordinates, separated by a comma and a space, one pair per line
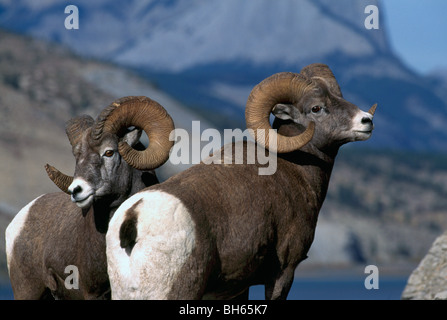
108, 149
312, 103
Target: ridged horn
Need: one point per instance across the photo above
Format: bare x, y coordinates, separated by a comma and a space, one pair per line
61, 180
145, 114
283, 87
322, 71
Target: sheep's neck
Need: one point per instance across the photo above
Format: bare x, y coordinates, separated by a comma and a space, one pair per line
98, 216
317, 164
316, 168
103, 208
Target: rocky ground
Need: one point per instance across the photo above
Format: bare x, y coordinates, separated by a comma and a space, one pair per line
429, 280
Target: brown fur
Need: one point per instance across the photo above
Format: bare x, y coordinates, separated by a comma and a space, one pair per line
38, 263
243, 237
56, 234
255, 229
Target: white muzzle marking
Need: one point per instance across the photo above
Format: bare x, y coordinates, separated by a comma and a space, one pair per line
362, 125
81, 193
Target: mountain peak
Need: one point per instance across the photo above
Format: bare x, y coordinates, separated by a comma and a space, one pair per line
177, 35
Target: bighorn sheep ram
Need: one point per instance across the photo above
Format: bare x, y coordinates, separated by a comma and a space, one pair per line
52, 232
214, 230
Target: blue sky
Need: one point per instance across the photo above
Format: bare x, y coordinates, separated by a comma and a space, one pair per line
418, 32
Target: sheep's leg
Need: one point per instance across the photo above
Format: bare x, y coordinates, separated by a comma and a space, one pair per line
278, 288
32, 294
192, 279
191, 289
28, 288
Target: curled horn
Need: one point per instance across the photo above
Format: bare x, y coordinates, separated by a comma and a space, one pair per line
284, 87
145, 114
320, 71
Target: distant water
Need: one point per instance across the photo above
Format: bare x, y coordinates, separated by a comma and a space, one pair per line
6, 292
342, 288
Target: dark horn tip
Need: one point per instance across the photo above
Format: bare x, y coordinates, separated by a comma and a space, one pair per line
50, 170
372, 110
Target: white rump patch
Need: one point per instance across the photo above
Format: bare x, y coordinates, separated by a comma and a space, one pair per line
165, 240
15, 228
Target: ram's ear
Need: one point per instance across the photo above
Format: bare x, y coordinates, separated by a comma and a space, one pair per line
283, 111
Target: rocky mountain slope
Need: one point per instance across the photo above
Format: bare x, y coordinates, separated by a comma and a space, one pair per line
176, 35
383, 207
210, 53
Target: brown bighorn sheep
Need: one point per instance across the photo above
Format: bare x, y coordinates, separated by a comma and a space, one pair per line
52, 232
214, 230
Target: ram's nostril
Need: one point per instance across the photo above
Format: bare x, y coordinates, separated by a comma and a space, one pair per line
366, 120
77, 189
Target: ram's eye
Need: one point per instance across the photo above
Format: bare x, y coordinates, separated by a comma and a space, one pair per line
316, 109
109, 153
